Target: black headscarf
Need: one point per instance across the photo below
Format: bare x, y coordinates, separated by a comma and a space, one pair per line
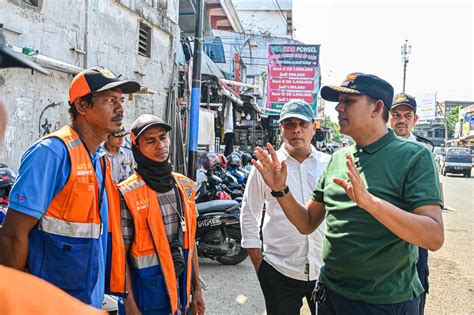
157, 175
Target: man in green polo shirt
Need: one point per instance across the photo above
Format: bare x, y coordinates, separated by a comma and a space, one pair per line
380, 199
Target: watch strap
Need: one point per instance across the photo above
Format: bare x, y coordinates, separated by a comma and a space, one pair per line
281, 193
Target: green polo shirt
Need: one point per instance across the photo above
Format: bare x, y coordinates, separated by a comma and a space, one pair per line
363, 259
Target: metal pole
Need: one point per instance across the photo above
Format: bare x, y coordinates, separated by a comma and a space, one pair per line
445, 124
404, 73
406, 50
195, 93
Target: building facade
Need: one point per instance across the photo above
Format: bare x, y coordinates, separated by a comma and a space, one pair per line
137, 39
266, 17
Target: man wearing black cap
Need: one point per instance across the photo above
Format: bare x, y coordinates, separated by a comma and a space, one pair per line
159, 227
64, 216
403, 118
381, 200
123, 164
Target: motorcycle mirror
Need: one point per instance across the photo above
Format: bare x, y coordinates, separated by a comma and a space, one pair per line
216, 178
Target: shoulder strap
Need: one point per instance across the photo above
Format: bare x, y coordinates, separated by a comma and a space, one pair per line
424, 140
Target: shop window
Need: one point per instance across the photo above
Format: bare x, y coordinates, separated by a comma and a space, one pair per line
439, 133
214, 49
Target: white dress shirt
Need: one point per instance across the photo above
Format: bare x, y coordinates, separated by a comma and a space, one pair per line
412, 137
284, 247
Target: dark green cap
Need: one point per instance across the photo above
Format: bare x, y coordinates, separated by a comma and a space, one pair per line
297, 109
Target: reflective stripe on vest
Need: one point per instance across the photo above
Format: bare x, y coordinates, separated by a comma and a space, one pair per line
72, 144
145, 261
71, 229
131, 186
74, 212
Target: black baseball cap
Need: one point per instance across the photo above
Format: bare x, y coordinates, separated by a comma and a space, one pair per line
143, 122
11, 59
98, 79
404, 99
358, 83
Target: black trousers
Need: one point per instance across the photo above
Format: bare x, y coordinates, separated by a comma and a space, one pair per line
331, 303
229, 143
423, 272
284, 295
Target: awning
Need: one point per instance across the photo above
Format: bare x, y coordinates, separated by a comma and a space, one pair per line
227, 91
209, 68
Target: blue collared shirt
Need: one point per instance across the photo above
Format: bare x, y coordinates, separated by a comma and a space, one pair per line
44, 171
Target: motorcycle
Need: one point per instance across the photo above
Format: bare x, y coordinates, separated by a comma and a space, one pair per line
7, 179
219, 185
218, 234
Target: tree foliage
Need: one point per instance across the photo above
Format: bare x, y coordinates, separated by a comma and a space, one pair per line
336, 135
451, 120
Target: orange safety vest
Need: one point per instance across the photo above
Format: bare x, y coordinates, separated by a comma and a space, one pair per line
22, 293
64, 245
152, 269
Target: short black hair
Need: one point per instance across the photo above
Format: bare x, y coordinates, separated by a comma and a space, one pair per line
72, 107
385, 110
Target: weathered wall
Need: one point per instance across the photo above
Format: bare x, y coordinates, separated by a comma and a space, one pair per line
269, 23
107, 31
264, 17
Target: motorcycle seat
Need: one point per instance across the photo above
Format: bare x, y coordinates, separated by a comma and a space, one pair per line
215, 206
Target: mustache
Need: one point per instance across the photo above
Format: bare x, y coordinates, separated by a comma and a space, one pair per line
118, 117
398, 125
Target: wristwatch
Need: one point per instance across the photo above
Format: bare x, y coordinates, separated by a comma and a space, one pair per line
282, 193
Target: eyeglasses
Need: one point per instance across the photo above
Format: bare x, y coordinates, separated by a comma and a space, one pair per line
290, 124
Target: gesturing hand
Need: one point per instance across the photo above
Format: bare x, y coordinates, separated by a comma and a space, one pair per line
355, 188
273, 171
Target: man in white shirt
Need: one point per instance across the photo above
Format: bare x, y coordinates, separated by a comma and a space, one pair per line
123, 164
289, 264
403, 118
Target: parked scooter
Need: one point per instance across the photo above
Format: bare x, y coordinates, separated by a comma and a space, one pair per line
234, 167
218, 234
218, 231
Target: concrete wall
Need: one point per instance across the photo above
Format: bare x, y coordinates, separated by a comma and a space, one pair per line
107, 31
269, 23
264, 17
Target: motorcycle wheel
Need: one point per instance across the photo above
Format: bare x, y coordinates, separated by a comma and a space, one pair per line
235, 254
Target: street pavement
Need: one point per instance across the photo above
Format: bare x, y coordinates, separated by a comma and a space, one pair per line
235, 289
231, 289
451, 268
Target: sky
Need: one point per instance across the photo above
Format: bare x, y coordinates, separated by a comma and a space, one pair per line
366, 36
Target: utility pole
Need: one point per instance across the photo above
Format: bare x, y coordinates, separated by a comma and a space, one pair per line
195, 92
406, 50
446, 130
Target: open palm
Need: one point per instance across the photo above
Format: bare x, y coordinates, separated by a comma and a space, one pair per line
273, 171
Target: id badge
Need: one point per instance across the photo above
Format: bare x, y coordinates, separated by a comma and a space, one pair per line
183, 225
